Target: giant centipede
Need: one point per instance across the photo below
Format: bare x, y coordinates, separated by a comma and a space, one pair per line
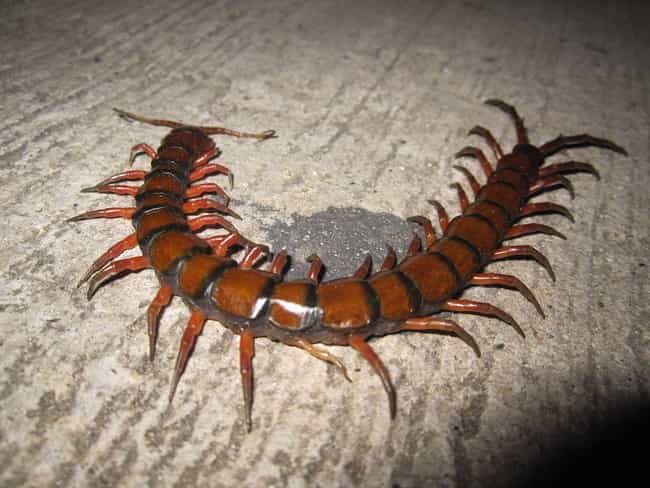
172, 205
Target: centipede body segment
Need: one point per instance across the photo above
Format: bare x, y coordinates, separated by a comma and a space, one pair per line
173, 203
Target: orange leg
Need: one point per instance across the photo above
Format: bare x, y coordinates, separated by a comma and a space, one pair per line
474, 185
198, 190
364, 270
581, 140
429, 232
522, 137
495, 279
568, 167
279, 263
115, 189
210, 169
443, 218
414, 247
442, 325
470, 306
462, 196
115, 269
527, 229
154, 312
360, 344
211, 220
105, 213
316, 268
389, 260
141, 148
192, 330
508, 252
545, 207
545, 182
477, 130
129, 242
198, 205
476, 153
246, 353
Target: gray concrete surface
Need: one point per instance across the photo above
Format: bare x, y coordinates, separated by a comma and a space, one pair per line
370, 100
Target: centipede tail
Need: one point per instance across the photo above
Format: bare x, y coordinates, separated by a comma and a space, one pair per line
172, 204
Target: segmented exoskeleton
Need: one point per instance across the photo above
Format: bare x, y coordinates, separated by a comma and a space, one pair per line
252, 302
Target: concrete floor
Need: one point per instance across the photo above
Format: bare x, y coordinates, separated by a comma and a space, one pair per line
370, 100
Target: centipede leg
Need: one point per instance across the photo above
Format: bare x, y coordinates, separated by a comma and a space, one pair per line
192, 331
207, 130
154, 312
105, 213
321, 354
462, 196
476, 153
130, 175
129, 242
568, 167
198, 190
495, 279
364, 270
222, 245
246, 353
442, 325
470, 306
279, 263
124, 190
474, 185
253, 255
508, 252
210, 169
414, 247
429, 232
201, 204
545, 207
315, 268
390, 259
443, 218
522, 137
527, 229
130, 265
205, 157
581, 140
477, 130
141, 148
204, 221
546, 182
360, 344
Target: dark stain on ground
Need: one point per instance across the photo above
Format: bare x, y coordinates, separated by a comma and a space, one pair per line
342, 237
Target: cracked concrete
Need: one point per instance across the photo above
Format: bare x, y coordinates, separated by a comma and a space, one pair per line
371, 100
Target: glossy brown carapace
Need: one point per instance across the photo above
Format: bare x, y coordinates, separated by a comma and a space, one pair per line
172, 206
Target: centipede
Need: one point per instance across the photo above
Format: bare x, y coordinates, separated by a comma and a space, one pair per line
239, 283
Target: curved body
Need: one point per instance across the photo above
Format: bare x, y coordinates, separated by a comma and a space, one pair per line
259, 303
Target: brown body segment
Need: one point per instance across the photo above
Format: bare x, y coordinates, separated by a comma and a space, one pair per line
432, 274
164, 182
168, 247
464, 255
198, 271
289, 302
347, 303
398, 297
158, 219
243, 292
475, 230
